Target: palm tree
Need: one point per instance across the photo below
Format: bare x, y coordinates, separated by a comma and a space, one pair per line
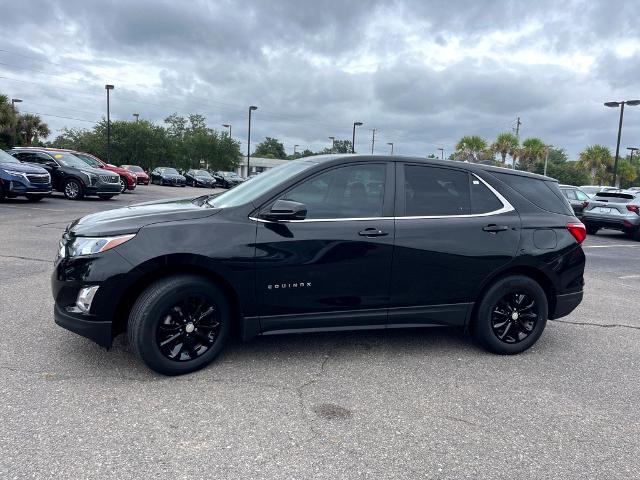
7, 120
470, 147
31, 128
596, 159
533, 150
505, 144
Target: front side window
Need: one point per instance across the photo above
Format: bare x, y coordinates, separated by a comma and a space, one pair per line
354, 191
580, 195
434, 191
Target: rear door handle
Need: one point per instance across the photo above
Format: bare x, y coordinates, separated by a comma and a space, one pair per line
495, 228
373, 232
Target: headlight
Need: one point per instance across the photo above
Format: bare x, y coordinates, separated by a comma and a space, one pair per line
90, 245
17, 174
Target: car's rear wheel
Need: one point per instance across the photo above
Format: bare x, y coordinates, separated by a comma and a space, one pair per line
179, 324
73, 189
511, 315
123, 185
591, 230
34, 198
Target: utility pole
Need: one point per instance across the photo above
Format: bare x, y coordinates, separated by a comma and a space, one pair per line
15, 123
108, 88
373, 139
251, 109
517, 129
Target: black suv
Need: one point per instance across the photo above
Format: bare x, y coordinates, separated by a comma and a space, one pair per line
327, 242
69, 174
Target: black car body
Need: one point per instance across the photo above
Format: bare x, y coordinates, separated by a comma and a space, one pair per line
228, 179
69, 174
576, 198
19, 179
200, 178
167, 176
327, 242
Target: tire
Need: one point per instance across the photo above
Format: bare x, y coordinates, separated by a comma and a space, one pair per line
591, 230
34, 198
154, 318
633, 233
2, 194
106, 197
123, 185
72, 189
517, 334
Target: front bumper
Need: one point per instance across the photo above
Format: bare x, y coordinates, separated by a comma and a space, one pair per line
19, 187
102, 188
100, 331
178, 182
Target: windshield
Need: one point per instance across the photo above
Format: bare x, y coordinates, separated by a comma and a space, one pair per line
68, 160
88, 160
229, 174
248, 191
201, 173
6, 158
169, 171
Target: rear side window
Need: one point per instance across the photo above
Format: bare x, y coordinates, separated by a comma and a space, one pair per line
482, 199
542, 193
570, 194
433, 191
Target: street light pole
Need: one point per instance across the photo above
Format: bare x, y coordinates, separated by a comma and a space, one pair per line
373, 139
108, 88
227, 125
441, 153
632, 149
15, 126
621, 104
390, 143
251, 109
546, 158
353, 137
333, 144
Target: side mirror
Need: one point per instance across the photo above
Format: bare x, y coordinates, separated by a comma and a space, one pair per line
286, 210
51, 163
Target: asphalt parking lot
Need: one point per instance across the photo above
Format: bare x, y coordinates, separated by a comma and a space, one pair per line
398, 404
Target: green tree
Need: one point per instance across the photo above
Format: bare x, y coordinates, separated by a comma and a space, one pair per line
30, 129
627, 173
470, 148
597, 160
7, 122
506, 144
270, 148
532, 151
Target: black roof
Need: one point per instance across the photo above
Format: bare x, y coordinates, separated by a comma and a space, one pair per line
429, 161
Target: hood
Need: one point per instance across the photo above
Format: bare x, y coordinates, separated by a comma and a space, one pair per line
23, 167
132, 218
171, 175
118, 170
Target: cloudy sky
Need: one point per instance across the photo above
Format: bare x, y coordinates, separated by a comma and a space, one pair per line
423, 72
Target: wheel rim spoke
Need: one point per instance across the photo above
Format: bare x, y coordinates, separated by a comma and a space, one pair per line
514, 317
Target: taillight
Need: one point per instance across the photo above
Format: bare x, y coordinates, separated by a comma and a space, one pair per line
585, 204
578, 231
634, 208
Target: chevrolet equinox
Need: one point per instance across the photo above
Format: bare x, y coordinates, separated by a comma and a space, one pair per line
326, 243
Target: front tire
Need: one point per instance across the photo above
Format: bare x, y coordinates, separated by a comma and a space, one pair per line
591, 230
511, 315
179, 324
73, 189
34, 198
106, 197
123, 185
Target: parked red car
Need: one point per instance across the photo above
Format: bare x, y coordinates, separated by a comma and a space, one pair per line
143, 178
128, 180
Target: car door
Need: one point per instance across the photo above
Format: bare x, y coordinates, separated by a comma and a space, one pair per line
331, 269
452, 231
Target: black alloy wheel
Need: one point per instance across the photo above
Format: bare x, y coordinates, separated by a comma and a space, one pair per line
514, 317
511, 315
179, 324
188, 329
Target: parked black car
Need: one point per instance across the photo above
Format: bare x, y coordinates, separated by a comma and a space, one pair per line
18, 179
326, 242
228, 179
167, 176
200, 178
69, 174
576, 198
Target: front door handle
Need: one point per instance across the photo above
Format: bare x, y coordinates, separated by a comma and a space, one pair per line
372, 232
495, 228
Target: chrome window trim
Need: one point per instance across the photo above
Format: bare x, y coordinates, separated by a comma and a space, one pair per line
506, 207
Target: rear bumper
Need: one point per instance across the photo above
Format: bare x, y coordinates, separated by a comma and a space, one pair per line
624, 222
565, 304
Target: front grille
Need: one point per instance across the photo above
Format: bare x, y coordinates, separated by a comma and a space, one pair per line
38, 178
109, 178
175, 181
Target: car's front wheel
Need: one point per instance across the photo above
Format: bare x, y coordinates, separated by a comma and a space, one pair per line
73, 189
34, 198
511, 315
123, 185
179, 324
591, 230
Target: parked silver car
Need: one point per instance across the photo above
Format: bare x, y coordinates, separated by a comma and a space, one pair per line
591, 190
617, 210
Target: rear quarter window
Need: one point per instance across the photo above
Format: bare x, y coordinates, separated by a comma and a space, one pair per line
545, 194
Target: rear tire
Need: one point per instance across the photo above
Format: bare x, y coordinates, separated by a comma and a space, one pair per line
591, 230
511, 316
34, 198
168, 331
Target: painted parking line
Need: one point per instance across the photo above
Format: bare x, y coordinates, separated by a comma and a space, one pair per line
624, 277
22, 207
612, 246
